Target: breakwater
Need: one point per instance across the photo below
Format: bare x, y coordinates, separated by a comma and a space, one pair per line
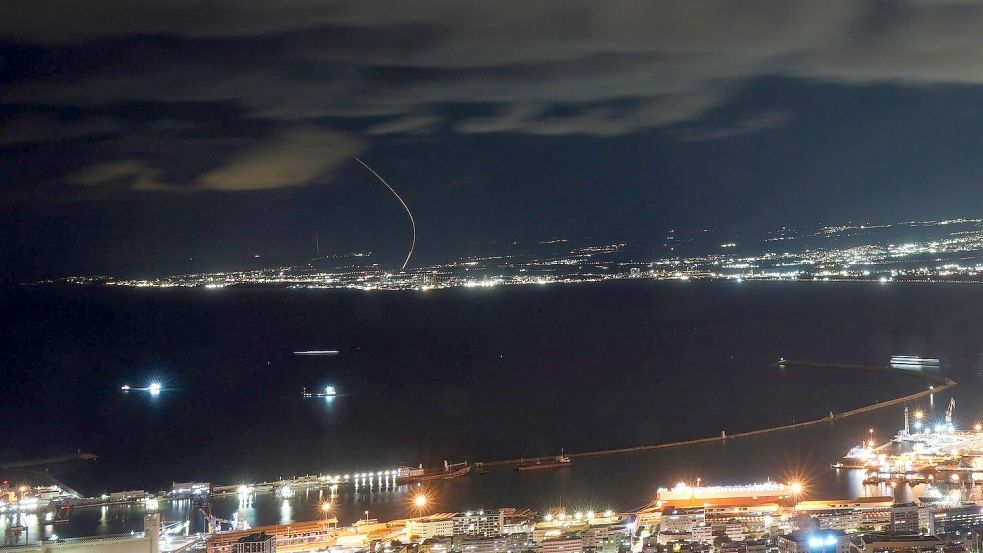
937, 384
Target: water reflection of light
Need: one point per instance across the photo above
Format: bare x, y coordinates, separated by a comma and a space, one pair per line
286, 512
246, 501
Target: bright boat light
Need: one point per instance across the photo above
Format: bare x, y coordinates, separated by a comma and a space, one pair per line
154, 388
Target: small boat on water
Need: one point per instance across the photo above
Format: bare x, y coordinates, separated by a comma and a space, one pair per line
329, 391
559, 461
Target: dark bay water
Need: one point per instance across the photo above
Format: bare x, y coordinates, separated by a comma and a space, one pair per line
463, 374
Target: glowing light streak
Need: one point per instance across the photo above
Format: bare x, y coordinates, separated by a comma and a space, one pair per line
409, 254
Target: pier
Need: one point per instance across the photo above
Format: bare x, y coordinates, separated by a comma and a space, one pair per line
937, 382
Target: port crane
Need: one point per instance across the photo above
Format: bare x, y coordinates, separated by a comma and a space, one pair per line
948, 412
214, 524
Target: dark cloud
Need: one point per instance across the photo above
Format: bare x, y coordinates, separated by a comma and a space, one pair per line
294, 158
305, 60
747, 125
570, 67
32, 128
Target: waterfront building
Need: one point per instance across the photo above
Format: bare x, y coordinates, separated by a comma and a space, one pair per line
666, 538
887, 543
147, 541
926, 520
436, 525
479, 523
299, 536
435, 545
255, 543
128, 495
958, 520
826, 541
755, 519
904, 518
571, 543
505, 543
590, 523
518, 521
733, 532
190, 488
702, 534
679, 547
849, 515
681, 520
606, 538
756, 546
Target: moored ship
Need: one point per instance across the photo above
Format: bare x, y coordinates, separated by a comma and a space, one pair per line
420, 474
559, 461
913, 361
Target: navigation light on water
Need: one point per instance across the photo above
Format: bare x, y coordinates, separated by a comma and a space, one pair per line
329, 391
153, 388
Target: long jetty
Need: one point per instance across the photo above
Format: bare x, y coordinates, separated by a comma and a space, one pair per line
938, 383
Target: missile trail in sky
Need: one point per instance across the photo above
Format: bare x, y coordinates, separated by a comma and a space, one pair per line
406, 207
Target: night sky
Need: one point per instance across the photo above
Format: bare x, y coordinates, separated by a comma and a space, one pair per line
135, 134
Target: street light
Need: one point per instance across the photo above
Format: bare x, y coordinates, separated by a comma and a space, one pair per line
326, 508
796, 490
420, 501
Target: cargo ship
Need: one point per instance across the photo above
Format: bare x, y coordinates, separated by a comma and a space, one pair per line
685, 495
559, 461
420, 474
913, 361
